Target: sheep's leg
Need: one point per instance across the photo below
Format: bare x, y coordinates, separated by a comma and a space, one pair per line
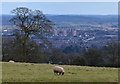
56, 72
59, 73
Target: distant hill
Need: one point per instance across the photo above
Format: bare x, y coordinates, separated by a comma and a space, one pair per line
83, 18
74, 19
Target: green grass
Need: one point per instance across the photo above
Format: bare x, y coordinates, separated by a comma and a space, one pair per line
28, 72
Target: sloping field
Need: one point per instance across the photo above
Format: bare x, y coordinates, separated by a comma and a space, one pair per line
29, 72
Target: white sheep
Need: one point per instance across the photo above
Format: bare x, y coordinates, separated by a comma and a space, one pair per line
11, 61
58, 70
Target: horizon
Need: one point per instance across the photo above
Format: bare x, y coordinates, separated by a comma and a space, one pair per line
74, 14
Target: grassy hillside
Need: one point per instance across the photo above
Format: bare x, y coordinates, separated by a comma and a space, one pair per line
28, 72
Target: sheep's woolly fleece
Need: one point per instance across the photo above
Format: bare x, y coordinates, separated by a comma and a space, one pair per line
59, 69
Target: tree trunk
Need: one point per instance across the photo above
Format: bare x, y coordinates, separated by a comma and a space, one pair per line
25, 56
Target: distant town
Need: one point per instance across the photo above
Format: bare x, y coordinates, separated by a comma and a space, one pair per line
85, 35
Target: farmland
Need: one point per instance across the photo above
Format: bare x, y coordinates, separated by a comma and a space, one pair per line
31, 72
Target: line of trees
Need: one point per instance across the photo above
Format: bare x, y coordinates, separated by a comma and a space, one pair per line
38, 53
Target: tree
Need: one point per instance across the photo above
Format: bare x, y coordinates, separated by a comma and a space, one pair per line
29, 23
79, 60
94, 57
57, 56
112, 48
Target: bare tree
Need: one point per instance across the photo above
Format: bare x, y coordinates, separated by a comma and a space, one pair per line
112, 48
30, 22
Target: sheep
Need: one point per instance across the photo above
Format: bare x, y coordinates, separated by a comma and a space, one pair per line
58, 70
11, 61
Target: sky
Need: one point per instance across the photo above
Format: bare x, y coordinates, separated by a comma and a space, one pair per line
65, 8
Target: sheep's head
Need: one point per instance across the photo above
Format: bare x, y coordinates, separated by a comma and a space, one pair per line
62, 73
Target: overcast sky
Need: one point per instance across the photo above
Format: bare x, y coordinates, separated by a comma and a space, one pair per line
76, 8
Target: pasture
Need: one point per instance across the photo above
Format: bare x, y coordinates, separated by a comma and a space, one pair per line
30, 72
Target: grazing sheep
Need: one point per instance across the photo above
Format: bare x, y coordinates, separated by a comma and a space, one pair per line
11, 61
58, 70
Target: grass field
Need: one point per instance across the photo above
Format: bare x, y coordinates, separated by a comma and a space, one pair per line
28, 72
